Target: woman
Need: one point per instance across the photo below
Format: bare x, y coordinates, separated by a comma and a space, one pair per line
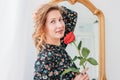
52, 23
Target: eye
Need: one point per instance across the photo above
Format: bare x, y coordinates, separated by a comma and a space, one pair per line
53, 21
60, 19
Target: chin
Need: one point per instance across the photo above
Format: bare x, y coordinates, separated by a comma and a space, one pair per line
60, 36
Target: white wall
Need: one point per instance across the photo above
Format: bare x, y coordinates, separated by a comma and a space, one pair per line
17, 52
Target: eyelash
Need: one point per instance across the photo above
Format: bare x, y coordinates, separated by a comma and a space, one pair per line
53, 21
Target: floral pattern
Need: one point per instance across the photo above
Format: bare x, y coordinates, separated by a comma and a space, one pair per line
53, 60
70, 19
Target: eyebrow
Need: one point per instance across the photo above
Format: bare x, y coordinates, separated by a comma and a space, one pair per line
55, 18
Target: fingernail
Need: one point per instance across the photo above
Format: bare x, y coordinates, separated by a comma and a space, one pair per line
82, 73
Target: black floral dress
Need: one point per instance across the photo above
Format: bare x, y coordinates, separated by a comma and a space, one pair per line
53, 60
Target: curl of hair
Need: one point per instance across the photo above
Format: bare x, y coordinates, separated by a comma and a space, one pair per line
40, 17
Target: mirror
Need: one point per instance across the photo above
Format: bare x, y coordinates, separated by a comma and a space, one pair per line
90, 30
86, 30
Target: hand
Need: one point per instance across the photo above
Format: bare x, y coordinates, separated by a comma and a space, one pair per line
83, 75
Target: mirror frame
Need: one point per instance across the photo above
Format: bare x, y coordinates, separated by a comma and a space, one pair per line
100, 15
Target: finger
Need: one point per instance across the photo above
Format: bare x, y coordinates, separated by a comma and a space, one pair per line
77, 77
84, 71
86, 77
82, 76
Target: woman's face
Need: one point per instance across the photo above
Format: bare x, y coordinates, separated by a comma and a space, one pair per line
55, 26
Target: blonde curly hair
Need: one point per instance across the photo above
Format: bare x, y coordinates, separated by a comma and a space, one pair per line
40, 17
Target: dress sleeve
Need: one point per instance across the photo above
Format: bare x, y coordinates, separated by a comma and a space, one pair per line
43, 67
70, 19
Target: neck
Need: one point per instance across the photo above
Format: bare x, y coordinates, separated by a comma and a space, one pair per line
53, 41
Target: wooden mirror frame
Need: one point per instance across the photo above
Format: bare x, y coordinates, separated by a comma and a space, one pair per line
100, 15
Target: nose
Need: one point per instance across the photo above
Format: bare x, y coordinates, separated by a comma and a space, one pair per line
60, 24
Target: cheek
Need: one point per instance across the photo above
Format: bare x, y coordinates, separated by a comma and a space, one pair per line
49, 30
64, 25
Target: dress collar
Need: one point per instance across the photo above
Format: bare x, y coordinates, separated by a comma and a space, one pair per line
50, 47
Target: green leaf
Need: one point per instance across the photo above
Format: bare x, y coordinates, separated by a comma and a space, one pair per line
79, 45
92, 61
82, 61
80, 58
85, 52
71, 69
75, 58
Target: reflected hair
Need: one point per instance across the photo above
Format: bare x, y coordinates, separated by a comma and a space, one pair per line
40, 17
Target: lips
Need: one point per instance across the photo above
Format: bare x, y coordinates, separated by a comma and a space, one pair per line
60, 31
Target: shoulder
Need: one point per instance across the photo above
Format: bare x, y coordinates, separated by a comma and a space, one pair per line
44, 59
44, 56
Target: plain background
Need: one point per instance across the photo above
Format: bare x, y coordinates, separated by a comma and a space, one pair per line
17, 52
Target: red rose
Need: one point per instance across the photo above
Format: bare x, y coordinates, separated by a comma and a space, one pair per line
70, 37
